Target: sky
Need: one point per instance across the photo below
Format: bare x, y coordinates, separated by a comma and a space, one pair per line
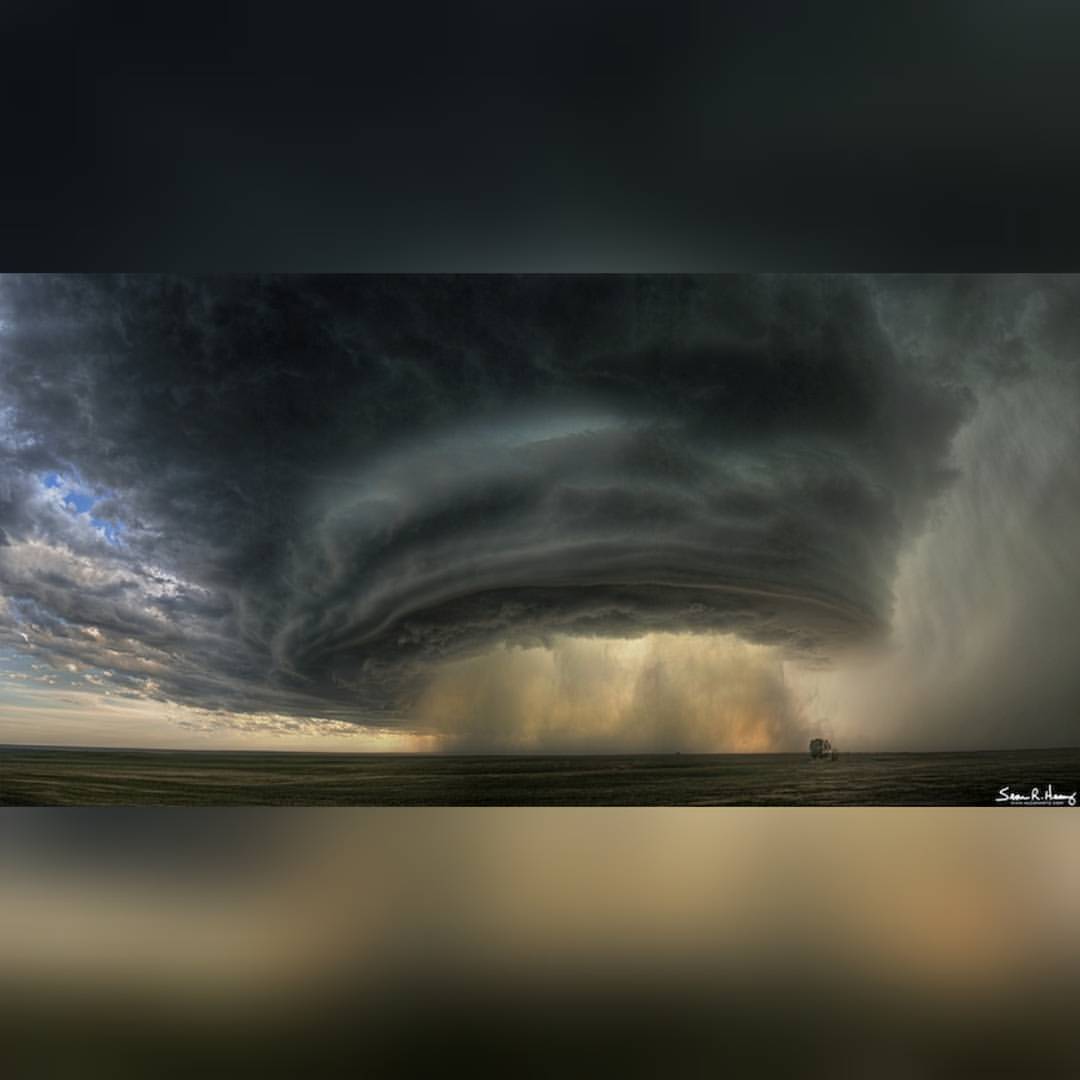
539, 513
542, 134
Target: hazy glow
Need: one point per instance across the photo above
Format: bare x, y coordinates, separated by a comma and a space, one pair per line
933, 912
659, 692
33, 715
985, 598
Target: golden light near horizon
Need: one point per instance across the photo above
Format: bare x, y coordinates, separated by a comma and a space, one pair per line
657, 692
34, 715
660, 692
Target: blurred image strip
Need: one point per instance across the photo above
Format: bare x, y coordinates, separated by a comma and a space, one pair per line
539, 942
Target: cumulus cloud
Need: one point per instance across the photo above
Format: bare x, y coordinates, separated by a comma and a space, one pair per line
323, 496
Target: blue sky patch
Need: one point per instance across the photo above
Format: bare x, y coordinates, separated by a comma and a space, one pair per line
79, 500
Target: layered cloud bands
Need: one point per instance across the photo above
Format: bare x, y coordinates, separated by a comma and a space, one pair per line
316, 496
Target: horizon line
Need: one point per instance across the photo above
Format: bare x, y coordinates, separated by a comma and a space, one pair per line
61, 747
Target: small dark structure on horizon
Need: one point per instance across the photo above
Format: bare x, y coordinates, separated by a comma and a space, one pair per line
822, 748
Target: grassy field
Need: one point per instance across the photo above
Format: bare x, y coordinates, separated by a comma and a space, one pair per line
77, 777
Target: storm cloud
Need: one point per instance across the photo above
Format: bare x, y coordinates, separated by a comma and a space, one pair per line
313, 496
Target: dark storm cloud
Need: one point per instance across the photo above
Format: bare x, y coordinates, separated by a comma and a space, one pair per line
323, 487
541, 135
